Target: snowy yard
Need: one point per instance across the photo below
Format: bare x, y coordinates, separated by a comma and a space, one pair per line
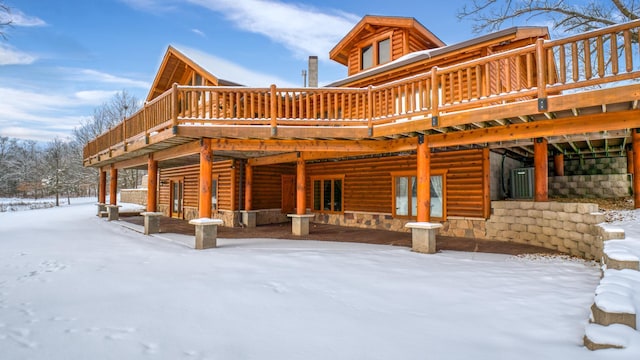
73, 286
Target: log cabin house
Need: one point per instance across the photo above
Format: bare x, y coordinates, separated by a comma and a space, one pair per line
416, 131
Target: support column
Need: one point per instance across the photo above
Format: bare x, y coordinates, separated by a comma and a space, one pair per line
102, 193
206, 176
248, 215
424, 180
301, 194
248, 187
113, 186
541, 163
558, 164
630, 169
636, 168
102, 187
152, 184
300, 220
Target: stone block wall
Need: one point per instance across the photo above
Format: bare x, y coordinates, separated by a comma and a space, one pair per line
567, 227
379, 221
590, 186
473, 228
599, 166
134, 196
271, 216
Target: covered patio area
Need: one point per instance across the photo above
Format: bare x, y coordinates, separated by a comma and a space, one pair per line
325, 232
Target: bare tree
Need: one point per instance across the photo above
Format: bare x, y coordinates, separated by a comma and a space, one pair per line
5, 18
109, 114
569, 16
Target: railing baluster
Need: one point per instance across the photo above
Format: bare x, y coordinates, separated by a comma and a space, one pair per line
575, 65
628, 52
587, 59
600, 55
563, 65
613, 44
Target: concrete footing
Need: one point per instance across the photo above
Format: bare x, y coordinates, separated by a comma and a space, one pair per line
423, 236
102, 208
300, 224
249, 218
151, 222
206, 232
113, 212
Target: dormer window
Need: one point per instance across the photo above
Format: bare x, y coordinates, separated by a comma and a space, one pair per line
367, 57
375, 54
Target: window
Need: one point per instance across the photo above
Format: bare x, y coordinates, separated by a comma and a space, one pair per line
384, 51
375, 54
405, 196
327, 194
214, 193
367, 57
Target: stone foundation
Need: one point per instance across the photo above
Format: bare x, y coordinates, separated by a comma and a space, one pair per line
270, 216
366, 220
474, 228
134, 196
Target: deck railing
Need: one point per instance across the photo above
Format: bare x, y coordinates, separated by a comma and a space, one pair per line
604, 57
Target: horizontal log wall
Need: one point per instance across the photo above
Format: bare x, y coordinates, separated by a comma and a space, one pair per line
267, 185
191, 174
368, 188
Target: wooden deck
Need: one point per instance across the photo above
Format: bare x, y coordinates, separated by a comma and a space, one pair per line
578, 92
324, 232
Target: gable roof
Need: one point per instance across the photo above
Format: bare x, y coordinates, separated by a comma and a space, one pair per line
367, 25
173, 67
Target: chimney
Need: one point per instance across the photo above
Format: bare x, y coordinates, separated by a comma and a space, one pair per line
313, 71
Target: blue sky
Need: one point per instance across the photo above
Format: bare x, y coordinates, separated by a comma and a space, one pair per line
62, 59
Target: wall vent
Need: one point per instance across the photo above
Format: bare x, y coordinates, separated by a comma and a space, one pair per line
522, 183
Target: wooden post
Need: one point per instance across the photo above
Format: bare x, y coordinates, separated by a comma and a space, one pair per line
152, 184
636, 168
301, 196
102, 187
435, 96
248, 188
541, 67
630, 159
206, 176
113, 188
424, 180
370, 109
540, 159
558, 164
486, 176
274, 111
174, 107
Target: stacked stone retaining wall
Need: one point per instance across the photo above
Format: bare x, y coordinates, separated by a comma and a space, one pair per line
567, 227
590, 186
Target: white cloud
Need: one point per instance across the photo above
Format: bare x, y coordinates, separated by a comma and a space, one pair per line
11, 56
98, 76
18, 18
42, 115
303, 29
198, 32
227, 70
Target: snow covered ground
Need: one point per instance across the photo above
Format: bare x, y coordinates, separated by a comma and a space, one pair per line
74, 286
